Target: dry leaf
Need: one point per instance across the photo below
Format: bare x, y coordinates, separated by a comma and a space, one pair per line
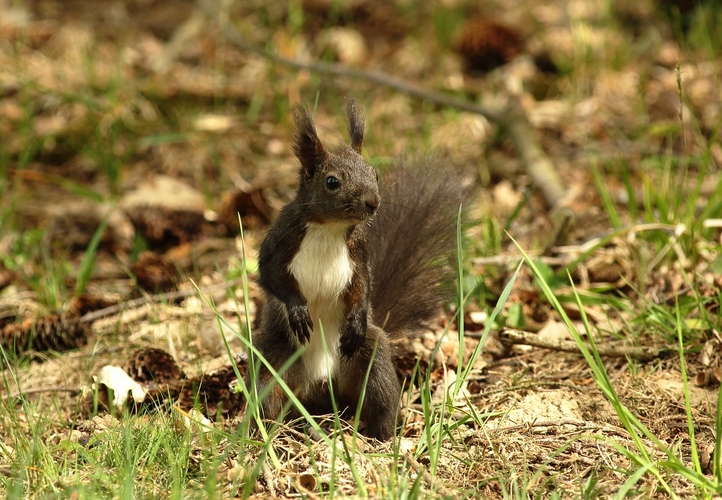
115, 378
213, 123
554, 330
347, 44
167, 192
195, 421
406, 445
306, 482
445, 387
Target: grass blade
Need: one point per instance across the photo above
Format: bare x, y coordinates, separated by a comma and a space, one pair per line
86, 265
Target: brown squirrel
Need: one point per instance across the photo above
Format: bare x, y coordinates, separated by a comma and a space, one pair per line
338, 260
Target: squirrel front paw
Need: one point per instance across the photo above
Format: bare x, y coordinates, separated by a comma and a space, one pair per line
299, 319
353, 336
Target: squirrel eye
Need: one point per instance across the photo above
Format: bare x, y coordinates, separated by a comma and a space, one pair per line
332, 182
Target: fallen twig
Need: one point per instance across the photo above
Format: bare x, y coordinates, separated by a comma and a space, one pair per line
40, 390
513, 336
420, 469
513, 260
584, 425
456, 414
153, 299
511, 118
267, 474
524, 387
408, 88
544, 423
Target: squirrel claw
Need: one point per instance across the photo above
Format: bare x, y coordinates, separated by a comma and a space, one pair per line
350, 344
300, 322
354, 335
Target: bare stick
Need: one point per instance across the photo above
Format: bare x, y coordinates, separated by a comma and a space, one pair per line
153, 299
512, 336
512, 119
268, 477
583, 425
420, 469
40, 390
538, 165
230, 32
545, 423
513, 260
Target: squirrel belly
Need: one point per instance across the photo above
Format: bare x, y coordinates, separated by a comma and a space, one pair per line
323, 270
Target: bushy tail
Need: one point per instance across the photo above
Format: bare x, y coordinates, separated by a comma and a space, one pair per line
413, 242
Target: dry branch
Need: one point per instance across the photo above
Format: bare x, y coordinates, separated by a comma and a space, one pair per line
420, 469
40, 390
585, 426
513, 260
167, 297
512, 336
512, 118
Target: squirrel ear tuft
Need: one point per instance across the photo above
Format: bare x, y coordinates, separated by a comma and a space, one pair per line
355, 126
306, 144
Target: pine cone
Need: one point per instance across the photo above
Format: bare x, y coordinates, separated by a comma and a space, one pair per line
153, 365
251, 206
155, 273
85, 303
57, 332
164, 228
485, 44
213, 392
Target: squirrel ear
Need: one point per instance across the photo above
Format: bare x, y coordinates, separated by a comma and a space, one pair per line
355, 126
306, 144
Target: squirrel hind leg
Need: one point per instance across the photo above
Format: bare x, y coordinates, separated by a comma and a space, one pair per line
379, 408
273, 405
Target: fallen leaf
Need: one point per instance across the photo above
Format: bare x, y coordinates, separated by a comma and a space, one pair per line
213, 123
114, 378
554, 330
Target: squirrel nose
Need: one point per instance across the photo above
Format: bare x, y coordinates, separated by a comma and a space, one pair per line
373, 203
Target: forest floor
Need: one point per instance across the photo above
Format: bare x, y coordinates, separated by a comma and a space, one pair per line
134, 134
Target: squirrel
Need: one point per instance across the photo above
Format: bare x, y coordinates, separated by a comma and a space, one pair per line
341, 261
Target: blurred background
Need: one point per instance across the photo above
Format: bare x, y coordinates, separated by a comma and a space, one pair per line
158, 121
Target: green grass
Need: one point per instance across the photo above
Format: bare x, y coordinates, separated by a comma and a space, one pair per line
685, 322
641, 456
136, 456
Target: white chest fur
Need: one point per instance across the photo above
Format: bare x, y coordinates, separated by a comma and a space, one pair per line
323, 270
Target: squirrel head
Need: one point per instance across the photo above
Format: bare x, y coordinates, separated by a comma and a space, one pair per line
335, 185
